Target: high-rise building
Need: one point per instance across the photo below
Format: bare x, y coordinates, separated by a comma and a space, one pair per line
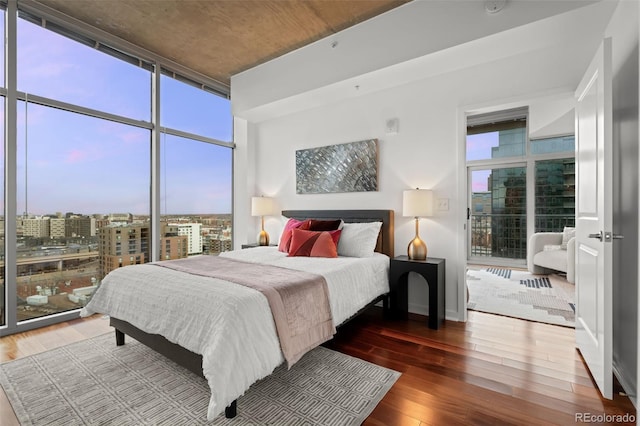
57, 227
37, 227
80, 226
122, 245
555, 195
192, 231
509, 213
173, 247
214, 244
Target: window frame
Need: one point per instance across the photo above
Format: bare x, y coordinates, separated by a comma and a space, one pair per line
53, 20
529, 159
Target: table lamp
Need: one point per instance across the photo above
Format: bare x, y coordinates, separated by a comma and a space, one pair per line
417, 203
262, 206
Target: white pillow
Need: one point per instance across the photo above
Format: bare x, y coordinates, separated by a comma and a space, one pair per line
359, 239
567, 234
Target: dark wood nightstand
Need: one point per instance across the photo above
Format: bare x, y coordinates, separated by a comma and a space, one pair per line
432, 270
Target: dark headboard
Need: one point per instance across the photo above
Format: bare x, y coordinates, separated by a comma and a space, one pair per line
385, 239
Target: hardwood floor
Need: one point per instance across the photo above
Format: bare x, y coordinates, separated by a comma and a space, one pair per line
491, 370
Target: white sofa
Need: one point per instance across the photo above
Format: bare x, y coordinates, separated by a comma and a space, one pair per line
554, 258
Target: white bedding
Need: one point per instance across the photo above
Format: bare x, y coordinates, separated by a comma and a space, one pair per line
230, 325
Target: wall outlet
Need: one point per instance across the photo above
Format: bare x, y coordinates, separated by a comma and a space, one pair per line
442, 204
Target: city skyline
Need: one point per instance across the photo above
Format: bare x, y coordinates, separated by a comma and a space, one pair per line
124, 212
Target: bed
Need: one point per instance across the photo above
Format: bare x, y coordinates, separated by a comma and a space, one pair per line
235, 344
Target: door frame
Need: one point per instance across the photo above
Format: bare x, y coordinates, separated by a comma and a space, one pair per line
463, 242
594, 334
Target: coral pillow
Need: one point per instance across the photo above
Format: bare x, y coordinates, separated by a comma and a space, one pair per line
313, 243
285, 238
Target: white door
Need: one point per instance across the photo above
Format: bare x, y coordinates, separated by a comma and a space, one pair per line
594, 331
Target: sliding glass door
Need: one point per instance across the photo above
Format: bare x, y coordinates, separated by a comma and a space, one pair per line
516, 186
498, 214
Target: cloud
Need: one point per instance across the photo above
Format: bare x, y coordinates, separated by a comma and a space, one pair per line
76, 156
90, 153
479, 186
136, 136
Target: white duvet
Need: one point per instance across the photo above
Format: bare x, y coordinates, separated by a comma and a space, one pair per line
228, 324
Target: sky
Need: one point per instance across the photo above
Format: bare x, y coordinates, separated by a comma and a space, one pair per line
75, 163
479, 148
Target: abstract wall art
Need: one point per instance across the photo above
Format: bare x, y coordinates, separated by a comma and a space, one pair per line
348, 167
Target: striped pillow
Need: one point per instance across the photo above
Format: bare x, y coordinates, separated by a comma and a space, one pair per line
313, 243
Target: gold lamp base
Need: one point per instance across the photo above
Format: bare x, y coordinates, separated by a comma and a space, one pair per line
263, 238
417, 249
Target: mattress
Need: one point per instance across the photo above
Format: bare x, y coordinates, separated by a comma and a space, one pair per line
230, 325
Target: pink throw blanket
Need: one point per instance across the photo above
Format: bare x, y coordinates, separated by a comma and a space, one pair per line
299, 300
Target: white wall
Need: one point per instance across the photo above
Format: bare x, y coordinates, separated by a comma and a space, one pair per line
555, 117
424, 153
623, 29
243, 180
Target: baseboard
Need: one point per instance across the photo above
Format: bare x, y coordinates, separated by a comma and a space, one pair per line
628, 387
418, 308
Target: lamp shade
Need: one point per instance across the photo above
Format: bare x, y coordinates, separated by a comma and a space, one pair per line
417, 203
262, 206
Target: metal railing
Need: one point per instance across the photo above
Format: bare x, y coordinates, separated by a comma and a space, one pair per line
554, 222
505, 235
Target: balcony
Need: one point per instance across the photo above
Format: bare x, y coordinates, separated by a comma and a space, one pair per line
505, 235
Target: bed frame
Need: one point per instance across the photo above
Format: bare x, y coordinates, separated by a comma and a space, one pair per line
193, 361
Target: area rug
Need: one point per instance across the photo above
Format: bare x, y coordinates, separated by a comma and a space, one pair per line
519, 294
96, 382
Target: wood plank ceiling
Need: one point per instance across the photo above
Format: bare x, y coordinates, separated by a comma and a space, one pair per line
220, 38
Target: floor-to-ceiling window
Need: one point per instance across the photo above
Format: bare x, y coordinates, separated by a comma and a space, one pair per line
196, 178
517, 186
76, 169
84, 163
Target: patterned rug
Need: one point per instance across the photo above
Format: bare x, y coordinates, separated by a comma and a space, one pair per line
96, 382
515, 293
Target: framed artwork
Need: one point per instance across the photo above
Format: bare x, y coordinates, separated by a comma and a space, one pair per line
348, 167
